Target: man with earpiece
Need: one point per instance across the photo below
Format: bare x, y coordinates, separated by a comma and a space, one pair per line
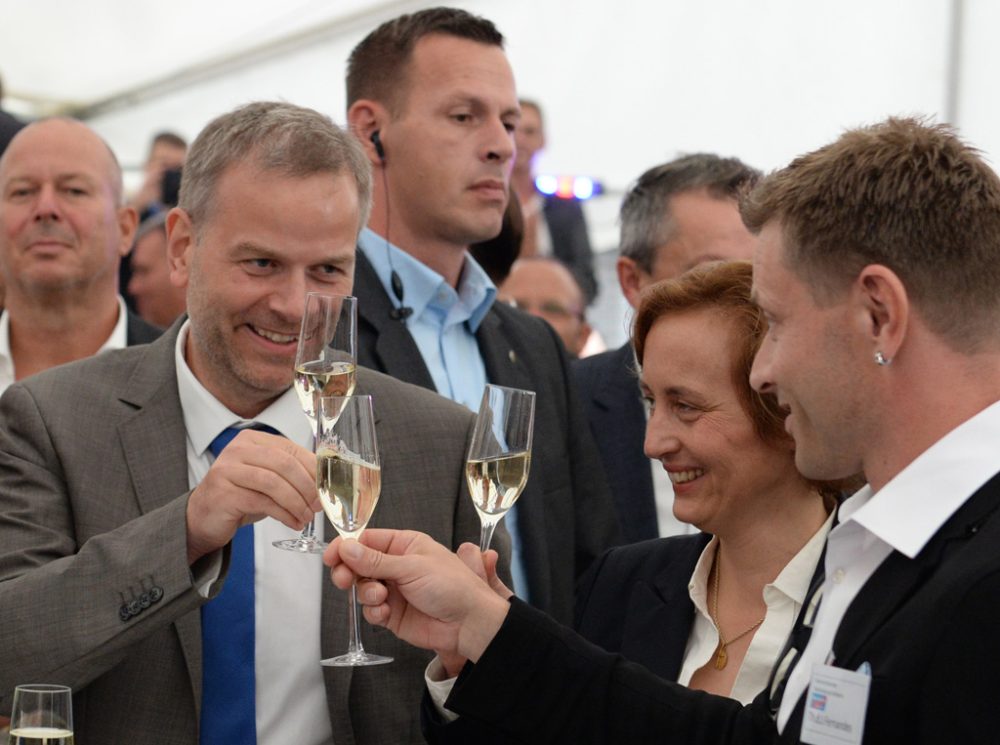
431, 97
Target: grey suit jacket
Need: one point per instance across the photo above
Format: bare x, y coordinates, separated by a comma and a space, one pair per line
93, 495
565, 515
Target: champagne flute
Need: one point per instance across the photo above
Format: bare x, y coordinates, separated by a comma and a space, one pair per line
42, 715
499, 454
325, 364
349, 479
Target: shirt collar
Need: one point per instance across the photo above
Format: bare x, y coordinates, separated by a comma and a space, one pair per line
425, 288
793, 581
205, 416
117, 340
908, 511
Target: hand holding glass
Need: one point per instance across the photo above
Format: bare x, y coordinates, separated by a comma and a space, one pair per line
325, 364
349, 479
500, 454
42, 715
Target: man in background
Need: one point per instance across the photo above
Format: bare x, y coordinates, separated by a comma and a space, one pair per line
545, 288
553, 226
676, 216
158, 300
63, 232
432, 100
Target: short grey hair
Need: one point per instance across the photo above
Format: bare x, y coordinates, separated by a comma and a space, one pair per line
645, 212
276, 136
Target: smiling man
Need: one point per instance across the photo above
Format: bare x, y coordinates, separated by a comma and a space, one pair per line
877, 266
136, 562
431, 97
63, 232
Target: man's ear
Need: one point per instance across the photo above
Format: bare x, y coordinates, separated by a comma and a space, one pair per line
631, 278
884, 306
365, 117
128, 222
180, 246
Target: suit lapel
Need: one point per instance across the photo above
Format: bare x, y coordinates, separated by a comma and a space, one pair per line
154, 443
899, 577
390, 346
502, 358
660, 613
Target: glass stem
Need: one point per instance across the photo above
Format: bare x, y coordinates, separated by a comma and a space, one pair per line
309, 531
486, 534
354, 642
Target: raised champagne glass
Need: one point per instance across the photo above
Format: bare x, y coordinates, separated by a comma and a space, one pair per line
499, 454
325, 365
349, 479
42, 715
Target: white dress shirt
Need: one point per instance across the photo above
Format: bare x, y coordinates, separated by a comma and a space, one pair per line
783, 598
903, 516
117, 340
291, 695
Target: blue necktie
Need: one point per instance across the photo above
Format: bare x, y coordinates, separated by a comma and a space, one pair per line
228, 698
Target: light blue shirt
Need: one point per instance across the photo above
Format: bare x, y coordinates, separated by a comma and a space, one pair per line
443, 325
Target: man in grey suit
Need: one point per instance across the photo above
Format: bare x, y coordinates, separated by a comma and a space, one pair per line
64, 228
117, 523
431, 98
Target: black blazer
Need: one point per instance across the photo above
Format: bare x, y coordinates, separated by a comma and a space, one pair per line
609, 391
634, 601
565, 515
138, 331
570, 241
928, 627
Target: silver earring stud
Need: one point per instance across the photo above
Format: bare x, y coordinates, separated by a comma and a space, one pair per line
881, 359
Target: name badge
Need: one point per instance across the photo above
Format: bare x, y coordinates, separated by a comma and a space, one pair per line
835, 706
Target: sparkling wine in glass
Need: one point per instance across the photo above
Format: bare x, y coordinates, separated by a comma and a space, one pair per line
325, 365
499, 454
349, 479
42, 715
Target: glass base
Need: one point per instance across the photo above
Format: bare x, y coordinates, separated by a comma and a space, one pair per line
356, 659
302, 545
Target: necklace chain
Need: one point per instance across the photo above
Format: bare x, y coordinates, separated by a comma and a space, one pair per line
721, 656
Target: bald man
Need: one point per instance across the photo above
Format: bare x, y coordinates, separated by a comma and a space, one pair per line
545, 288
63, 232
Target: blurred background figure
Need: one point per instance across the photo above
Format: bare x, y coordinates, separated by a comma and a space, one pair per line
159, 191
497, 255
63, 231
545, 288
552, 226
156, 298
161, 181
676, 216
10, 125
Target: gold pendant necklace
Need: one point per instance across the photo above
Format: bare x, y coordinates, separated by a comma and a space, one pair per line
721, 656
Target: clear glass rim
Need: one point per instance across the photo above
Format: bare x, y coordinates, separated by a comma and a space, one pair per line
43, 688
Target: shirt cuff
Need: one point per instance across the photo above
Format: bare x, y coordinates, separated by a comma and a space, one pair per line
439, 687
205, 573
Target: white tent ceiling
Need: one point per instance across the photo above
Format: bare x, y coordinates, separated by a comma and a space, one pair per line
625, 83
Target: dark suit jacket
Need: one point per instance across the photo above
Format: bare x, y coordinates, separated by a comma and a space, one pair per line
93, 499
634, 601
565, 515
609, 391
138, 331
570, 241
927, 626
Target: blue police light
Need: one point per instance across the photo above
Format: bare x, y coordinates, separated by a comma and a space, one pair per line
568, 187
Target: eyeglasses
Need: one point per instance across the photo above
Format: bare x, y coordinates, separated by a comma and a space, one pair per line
546, 308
